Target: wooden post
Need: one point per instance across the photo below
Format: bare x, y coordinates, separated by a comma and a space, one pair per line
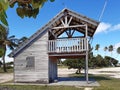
86, 69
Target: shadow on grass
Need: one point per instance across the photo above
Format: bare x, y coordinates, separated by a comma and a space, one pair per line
81, 77
100, 77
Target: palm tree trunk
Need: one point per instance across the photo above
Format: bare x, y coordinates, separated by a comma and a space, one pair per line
3, 58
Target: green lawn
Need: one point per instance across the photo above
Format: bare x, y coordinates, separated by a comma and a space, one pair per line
36, 87
10, 70
106, 83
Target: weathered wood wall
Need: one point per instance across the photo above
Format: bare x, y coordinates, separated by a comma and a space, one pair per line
40, 72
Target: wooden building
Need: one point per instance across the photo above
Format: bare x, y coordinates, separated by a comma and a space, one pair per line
35, 60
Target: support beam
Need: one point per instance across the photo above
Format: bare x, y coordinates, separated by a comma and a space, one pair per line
52, 33
67, 33
73, 26
70, 20
86, 71
62, 22
72, 32
66, 22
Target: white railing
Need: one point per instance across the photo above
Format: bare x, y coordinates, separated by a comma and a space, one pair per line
67, 45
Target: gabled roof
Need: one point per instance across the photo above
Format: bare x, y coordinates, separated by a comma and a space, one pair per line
55, 22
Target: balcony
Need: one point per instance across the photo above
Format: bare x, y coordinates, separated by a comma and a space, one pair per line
70, 45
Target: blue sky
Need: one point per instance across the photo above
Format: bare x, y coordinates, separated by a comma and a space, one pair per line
108, 32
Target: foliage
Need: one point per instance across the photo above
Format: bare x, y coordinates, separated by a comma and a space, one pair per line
21, 40
93, 62
9, 65
75, 63
25, 8
1, 52
3, 7
97, 47
118, 50
0, 63
110, 48
9, 70
99, 61
6, 41
105, 48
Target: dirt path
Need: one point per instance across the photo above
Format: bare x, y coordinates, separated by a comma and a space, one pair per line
64, 72
112, 71
6, 77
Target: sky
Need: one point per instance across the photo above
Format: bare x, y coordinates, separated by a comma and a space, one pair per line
108, 32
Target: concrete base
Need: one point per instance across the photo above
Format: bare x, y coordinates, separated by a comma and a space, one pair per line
73, 81
66, 81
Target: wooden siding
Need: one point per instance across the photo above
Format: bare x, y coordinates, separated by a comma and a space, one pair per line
39, 73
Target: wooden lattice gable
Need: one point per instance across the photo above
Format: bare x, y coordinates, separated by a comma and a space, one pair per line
74, 21
53, 25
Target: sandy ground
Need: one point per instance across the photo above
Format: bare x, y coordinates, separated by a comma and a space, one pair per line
6, 77
112, 71
64, 72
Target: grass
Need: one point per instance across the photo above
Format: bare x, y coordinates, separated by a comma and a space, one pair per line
10, 70
106, 83
36, 87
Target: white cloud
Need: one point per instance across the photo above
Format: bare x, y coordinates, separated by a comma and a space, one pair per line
8, 59
103, 27
117, 45
107, 27
115, 27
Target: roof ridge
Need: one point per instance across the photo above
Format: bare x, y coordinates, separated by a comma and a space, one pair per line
48, 25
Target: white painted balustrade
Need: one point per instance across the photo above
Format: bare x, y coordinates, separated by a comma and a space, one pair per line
67, 45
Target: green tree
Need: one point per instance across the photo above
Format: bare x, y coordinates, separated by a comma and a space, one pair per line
0, 64
24, 8
21, 40
118, 50
97, 47
6, 41
75, 63
105, 49
110, 49
111, 61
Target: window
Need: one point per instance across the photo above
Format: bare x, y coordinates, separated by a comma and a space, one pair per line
30, 62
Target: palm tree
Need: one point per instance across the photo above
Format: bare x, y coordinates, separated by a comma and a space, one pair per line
105, 49
97, 47
110, 49
21, 40
5, 42
118, 50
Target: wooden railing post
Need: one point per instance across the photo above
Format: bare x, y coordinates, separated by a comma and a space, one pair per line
67, 45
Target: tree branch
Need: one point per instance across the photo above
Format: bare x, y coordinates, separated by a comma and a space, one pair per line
21, 1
